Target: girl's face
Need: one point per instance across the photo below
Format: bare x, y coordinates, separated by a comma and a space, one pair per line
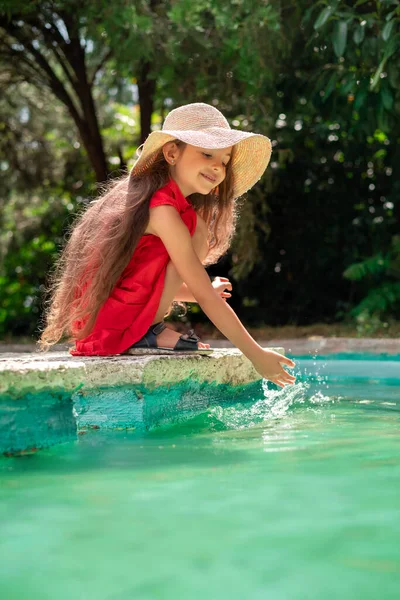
197, 170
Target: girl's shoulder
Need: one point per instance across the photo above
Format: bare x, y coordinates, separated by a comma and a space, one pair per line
170, 194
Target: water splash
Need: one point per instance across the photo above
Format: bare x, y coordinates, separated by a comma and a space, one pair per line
274, 405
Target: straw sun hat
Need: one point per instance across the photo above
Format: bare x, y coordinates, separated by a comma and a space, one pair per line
205, 126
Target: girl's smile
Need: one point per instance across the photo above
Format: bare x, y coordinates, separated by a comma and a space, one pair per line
211, 179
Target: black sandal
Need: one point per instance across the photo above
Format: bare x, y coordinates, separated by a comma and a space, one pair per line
186, 344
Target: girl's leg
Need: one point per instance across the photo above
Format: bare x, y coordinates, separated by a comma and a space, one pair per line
172, 284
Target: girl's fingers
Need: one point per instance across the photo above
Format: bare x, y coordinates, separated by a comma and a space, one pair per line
277, 382
224, 280
283, 380
286, 361
287, 378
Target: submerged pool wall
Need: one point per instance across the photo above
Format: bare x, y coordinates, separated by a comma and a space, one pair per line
50, 399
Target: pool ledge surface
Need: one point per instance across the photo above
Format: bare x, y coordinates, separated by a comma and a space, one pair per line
46, 399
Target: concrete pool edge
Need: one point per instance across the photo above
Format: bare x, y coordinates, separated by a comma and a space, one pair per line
47, 399
314, 344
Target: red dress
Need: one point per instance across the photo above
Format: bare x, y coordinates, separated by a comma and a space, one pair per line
131, 307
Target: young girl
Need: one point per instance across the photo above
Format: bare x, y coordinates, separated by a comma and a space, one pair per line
143, 245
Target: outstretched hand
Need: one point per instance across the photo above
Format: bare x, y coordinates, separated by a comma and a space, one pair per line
270, 366
220, 284
267, 362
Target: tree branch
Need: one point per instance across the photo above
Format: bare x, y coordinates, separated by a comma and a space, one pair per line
54, 82
105, 58
57, 45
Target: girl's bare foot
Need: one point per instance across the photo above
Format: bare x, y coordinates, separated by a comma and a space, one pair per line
169, 337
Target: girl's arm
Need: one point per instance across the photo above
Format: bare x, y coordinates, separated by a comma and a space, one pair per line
176, 238
184, 294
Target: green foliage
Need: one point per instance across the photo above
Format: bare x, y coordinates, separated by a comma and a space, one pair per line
368, 324
380, 300
365, 40
320, 79
373, 266
383, 297
30, 241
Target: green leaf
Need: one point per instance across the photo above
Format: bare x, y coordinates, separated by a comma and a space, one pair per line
382, 118
361, 95
323, 17
380, 154
330, 86
320, 83
307, 14
387, 30
387, 97
359, 34
349, 85
392, 46
390, 49
393, 75
371, 266
339, 37
377, 74
379, 299
390, 15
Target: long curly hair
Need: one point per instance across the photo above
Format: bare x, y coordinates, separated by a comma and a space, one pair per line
103, 237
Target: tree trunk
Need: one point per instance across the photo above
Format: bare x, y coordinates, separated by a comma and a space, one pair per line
94, 148
146, 88
72, 65
88, 125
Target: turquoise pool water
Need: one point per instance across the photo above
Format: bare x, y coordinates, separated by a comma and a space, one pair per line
295, 496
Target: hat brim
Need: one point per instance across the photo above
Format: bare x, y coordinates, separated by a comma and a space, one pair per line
250, 159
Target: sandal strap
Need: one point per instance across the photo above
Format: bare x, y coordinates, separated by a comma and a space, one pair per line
149, 340
157, 328
187, 341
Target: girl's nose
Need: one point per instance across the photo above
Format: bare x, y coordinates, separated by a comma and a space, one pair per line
218, 164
